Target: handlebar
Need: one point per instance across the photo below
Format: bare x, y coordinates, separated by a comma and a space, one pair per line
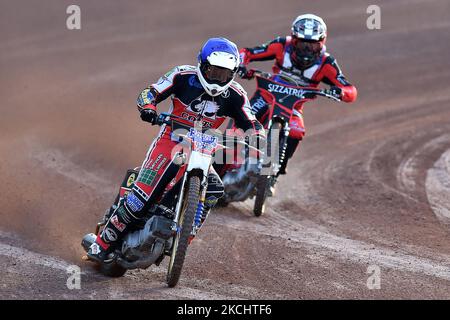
166, 118
318, 92
163, 118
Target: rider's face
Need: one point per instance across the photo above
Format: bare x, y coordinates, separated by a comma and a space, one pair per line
218, 74
306, 47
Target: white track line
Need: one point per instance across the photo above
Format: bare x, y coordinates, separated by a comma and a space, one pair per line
437, 186
30, 257
27, 256
346, 249
408, 167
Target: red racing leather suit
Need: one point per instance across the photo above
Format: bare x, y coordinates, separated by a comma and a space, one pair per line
325, 70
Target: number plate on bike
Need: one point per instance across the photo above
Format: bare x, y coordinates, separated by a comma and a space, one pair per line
202, 141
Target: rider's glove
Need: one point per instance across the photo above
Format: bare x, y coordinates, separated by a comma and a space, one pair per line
149, 114
335, 92
243, 73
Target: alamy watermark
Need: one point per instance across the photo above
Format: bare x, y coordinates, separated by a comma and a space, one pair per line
73, 21
374, 280
373, 22
234, 146
74, 280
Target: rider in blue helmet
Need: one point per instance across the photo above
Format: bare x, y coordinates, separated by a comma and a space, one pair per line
218, 62
206, 93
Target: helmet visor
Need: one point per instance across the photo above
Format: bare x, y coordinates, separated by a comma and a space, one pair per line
215, 74
305, 47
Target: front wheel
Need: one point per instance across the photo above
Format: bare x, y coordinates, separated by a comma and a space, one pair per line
264, 181
184, 225
112, 269
262, 190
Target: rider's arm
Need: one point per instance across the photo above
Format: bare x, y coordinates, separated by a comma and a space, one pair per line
239, 110
332, 75
267, 51
159, 91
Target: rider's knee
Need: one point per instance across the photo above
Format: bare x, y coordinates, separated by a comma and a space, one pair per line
296, 133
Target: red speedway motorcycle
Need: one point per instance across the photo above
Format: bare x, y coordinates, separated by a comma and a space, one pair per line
168, 231
258, 181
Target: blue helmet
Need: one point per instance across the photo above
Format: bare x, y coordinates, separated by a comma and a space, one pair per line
218, 61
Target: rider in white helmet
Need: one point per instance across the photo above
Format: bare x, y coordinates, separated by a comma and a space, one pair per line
302, 56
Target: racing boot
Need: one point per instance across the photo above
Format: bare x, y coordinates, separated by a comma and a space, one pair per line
117, 226
99, 251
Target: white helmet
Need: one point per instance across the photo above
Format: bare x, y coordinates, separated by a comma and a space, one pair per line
309, 27
309, 33
218, 61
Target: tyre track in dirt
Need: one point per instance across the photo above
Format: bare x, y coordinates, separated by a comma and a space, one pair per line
438, 187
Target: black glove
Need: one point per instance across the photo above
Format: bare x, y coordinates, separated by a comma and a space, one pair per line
335, 92
243, 73
149, 115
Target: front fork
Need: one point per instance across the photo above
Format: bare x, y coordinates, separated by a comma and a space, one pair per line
283, 144
283, 137
199, 214
200, 207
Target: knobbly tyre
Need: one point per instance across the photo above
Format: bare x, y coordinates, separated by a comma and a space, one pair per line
248, 181
169, 232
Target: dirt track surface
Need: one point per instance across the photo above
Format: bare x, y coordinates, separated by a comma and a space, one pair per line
356, 194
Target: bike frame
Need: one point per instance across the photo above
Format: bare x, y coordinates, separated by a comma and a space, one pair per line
199, 163
285, 96
283, 99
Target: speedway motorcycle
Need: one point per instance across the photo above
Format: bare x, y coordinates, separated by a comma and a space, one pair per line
249, 181
168, 231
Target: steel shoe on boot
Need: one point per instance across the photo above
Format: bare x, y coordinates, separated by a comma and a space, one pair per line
98, 253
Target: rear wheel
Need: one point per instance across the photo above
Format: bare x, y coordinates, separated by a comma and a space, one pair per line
112, 269
263, 183
185, 222
262, 190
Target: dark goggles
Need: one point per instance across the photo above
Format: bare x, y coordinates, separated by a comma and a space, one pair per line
304, 46
217, 74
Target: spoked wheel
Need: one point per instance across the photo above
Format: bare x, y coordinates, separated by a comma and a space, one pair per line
185, 223
222, 203
262, 190
264, 182
112, 269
